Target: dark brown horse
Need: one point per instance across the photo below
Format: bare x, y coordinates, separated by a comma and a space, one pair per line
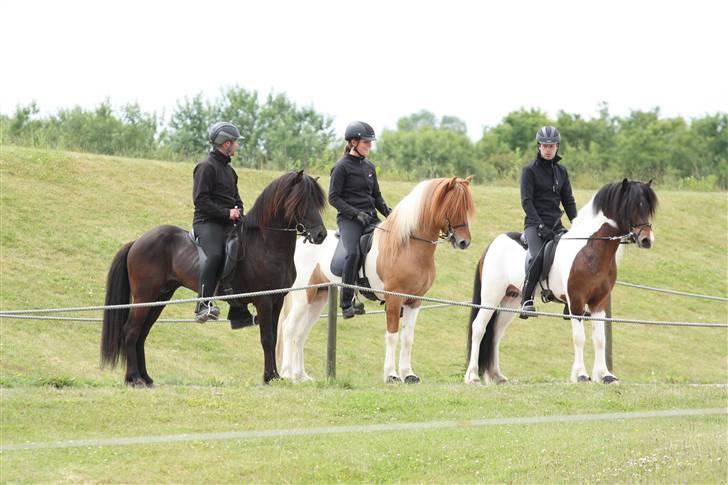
165, 258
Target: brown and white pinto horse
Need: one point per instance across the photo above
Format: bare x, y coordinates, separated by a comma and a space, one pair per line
582, 275
402, 259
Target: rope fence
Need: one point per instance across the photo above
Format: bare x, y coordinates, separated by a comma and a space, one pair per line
439, 302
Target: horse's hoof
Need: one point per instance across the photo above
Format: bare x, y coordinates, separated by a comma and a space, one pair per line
610, 380
411, 379
137, 383
393, 380
501, 380
583, 379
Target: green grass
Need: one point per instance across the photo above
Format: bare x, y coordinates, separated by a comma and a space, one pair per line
64, 215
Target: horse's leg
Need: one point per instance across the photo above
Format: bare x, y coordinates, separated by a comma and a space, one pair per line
311, 316
407, 338
132, 331
499, 328
477, 329
600, 372
265, 307
393, 305
152, 317
578, 369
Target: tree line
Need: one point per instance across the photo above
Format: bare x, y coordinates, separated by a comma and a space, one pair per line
282, 135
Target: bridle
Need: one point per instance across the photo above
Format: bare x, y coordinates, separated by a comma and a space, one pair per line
448, 236
630, 238
300, 229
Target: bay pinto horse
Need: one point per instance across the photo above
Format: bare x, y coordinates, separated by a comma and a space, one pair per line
402, 259
165, 258
582, 275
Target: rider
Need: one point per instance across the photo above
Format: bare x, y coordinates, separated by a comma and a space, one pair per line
354, 192
217, 207
544, 185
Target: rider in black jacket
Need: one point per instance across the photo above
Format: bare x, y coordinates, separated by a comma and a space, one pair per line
217, 207
354, 192
544, 187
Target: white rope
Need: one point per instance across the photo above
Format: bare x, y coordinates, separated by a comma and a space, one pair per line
545, 314
672, 292
442, 301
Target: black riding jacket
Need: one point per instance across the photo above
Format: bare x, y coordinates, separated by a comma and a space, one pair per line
354, 188
544, 186
215, 189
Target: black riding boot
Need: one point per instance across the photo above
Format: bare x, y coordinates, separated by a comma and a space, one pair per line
349, 306
527, 304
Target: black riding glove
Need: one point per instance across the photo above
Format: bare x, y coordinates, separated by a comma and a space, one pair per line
363, 218
545, 233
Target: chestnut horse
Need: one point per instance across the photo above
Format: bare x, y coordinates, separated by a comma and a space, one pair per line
165, 258
402, 259
582, 275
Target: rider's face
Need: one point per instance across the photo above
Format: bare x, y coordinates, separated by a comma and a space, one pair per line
548, 150
363, 147
230, 147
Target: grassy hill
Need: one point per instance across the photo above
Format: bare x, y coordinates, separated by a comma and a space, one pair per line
64, 215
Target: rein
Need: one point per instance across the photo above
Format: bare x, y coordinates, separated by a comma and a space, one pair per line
629, 238
443, 237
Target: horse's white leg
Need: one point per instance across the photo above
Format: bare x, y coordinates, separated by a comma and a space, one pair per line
499, 327
578, 370
407, 338
478, 331
393, 305
291, 331
600, 372
309, 320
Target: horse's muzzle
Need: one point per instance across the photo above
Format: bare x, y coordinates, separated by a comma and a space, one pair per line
459, 243
318, 235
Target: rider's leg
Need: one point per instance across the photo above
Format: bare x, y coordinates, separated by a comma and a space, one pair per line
211, 236
350, 233
533, 269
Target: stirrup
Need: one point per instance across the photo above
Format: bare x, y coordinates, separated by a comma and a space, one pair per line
527, 306
206, 311
358, 307
348, 312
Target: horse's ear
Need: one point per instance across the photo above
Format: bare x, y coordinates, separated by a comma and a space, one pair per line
649, 184
468, 179
299, 177
625, 184
451, 183
317, 178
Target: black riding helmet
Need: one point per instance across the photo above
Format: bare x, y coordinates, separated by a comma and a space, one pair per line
548, 135
223, 131
359, 129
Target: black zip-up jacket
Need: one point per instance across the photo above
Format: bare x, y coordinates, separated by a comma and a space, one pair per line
544, 186
215, 189
354, 188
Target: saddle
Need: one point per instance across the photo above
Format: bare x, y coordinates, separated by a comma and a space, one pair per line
546, 259
365, 245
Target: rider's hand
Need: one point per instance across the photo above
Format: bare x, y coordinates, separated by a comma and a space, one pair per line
545, 233
234, 214
363, 218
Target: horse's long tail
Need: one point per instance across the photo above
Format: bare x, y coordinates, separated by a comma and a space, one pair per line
118, 292
485, 354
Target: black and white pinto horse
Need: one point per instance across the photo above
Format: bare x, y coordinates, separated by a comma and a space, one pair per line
583, 274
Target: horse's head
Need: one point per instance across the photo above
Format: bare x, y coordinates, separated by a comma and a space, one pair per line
632, 206
294, 200
452, 208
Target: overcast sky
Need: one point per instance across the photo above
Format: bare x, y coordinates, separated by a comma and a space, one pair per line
372, 60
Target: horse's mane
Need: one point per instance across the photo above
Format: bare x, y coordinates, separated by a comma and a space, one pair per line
620, 201
424, 210
287, 199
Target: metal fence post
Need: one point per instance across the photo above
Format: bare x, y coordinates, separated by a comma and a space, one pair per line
331, 338
608, 335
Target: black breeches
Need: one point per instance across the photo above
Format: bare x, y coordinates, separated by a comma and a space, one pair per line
211, 236
350, 233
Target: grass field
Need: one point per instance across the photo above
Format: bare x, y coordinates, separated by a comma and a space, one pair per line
64, 215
